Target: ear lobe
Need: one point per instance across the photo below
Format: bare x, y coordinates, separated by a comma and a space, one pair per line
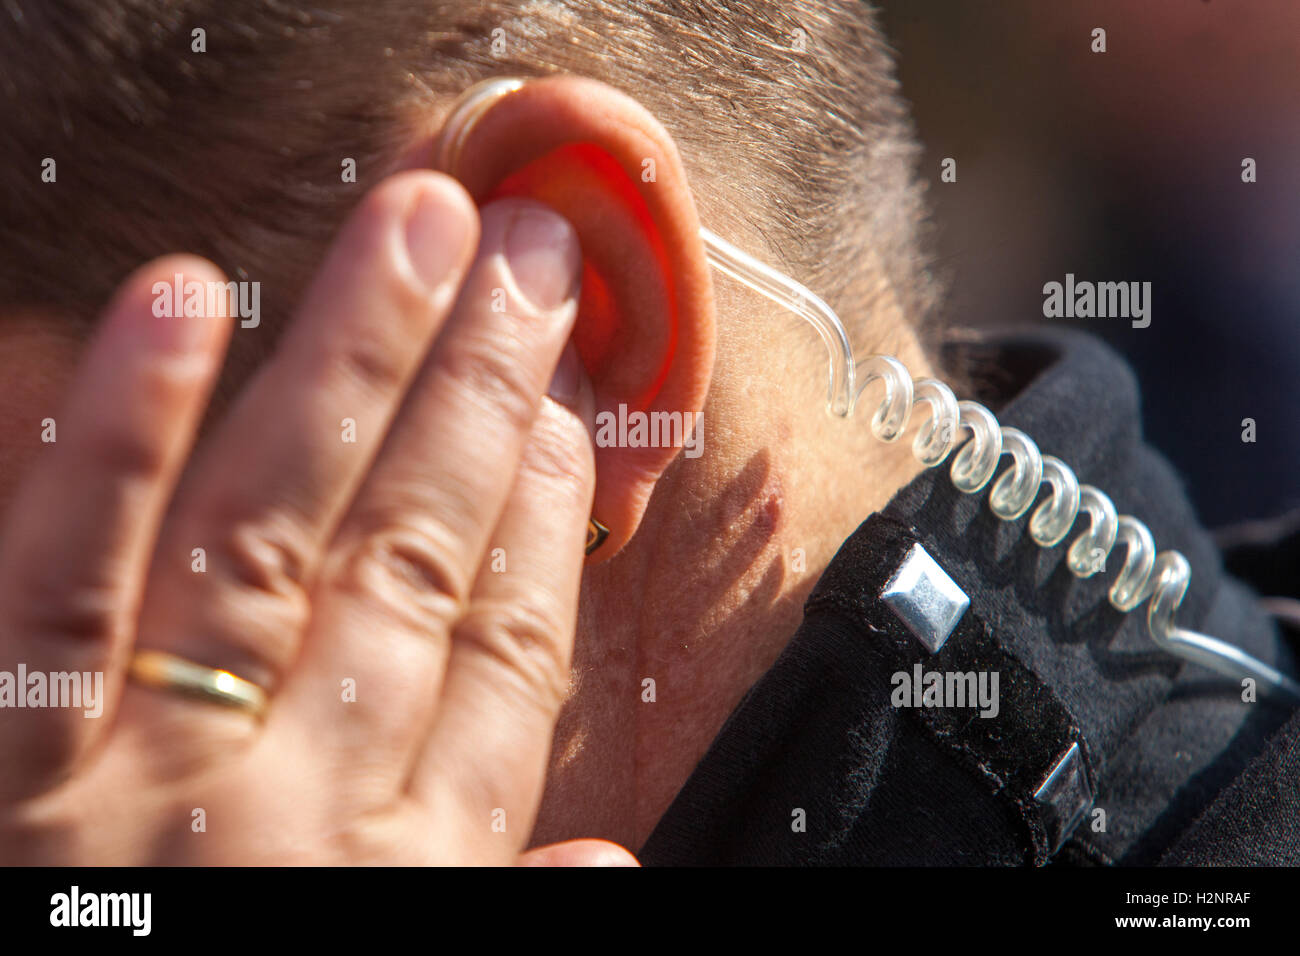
645, 327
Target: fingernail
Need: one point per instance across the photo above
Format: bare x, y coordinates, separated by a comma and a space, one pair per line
436, 231
171, 329
544, 259
567, 379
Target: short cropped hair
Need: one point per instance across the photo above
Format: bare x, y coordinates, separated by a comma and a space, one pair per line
787, 112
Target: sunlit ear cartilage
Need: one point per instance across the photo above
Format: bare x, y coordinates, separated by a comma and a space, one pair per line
466, 112
596, 534
1163, 577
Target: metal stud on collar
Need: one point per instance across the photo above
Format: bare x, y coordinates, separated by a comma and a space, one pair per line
925, 598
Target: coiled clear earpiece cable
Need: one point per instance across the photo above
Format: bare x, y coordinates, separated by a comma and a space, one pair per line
1163, 576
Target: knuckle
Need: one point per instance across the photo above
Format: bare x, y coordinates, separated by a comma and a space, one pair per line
557, 457
411, 570
92, 614
128, 453
267, 555
169, 378
377, 364
494, 379
526, 642
261, 602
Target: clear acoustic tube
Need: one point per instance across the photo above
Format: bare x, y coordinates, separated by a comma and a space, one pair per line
800, 300
1162, 577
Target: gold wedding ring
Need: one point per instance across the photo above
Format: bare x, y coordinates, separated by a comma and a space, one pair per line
168, 672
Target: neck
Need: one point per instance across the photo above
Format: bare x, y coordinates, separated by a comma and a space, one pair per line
677, 627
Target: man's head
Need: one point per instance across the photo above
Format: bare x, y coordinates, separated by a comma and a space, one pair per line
786, 114
787, 123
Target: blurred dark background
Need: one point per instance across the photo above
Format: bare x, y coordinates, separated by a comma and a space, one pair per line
1127, 166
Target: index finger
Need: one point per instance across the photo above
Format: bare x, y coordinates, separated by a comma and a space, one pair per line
74, 553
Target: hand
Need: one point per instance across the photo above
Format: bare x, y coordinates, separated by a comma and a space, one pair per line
349, 508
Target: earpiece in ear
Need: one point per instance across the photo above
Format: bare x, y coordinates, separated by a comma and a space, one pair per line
473, 103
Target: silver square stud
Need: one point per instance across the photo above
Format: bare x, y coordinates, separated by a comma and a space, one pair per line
925, 599
1065, 796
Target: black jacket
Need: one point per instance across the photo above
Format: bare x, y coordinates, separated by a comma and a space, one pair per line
817, 766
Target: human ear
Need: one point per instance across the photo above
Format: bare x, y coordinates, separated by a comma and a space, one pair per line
646, 321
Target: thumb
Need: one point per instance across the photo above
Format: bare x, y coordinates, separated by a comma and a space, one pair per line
578, 853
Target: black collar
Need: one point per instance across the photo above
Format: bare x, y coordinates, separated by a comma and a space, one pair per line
816, 765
